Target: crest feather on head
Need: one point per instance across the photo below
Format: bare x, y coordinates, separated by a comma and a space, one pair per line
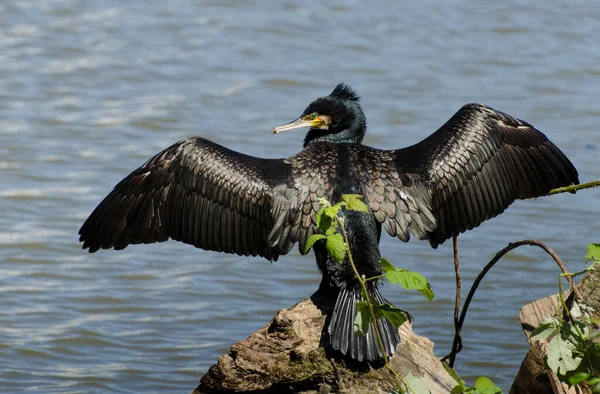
344, 91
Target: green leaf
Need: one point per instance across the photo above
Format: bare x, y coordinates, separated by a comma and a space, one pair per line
595, 381
458, 389
428, 292
348, 197
325, 223
579, 327
394, 276
455, 376
560, 356
354, 202
407, 279
396, 316
485, 385
544, 330
362, 320
332, 211
417, 386
376, 304
578, 377
593, 252
336, 247
386, 265
311, 241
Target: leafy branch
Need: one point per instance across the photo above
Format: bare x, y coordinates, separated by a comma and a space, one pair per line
573, 352
330, 222
482, 385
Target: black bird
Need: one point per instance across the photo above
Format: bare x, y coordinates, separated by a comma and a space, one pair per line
206, 195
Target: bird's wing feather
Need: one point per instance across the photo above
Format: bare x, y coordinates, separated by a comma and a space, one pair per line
398, 200
478, 163
315, 172
206, 195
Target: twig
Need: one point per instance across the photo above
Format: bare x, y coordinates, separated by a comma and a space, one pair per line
573, 188
457, 345
458, 323
489, 266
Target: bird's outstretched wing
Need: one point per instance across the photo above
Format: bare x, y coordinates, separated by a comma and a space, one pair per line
475, 166
206, 195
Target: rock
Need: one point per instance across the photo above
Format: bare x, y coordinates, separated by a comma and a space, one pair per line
533, 376
291, 354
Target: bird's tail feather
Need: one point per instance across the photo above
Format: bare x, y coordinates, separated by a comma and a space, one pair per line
341, 329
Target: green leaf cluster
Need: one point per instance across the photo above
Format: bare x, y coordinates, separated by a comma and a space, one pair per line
573, 352
363, 315
328, 223
483, 385
593, 253
369, 310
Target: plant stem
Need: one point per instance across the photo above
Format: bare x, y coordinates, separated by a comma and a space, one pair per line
573, 188
457, 326
375, 278
564, 304
363, 285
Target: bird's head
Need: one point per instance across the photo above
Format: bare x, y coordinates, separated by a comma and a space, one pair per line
336, 118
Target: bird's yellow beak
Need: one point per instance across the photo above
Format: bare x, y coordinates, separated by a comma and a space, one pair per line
305, 121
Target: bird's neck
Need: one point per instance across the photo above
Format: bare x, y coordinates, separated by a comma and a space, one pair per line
351, 135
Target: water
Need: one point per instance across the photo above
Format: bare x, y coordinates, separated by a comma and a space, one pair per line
90, 90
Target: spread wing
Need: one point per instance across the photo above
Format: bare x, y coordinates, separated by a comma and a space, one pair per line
206, 195
471, 170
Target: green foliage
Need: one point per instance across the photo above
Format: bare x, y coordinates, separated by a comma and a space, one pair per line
549, 327
560, 357
428, 292
585, 377
483, 385
396, 316
408, 279
313, 238
336, 247
593, 253
369, 310
461, 385
571, 352
328, 223
354, 203
363, 319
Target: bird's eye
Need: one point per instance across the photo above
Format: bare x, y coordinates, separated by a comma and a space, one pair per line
313, 116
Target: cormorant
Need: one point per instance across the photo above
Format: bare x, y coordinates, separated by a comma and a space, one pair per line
206, 195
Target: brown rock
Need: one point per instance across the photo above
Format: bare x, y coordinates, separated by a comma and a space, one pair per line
291, 355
